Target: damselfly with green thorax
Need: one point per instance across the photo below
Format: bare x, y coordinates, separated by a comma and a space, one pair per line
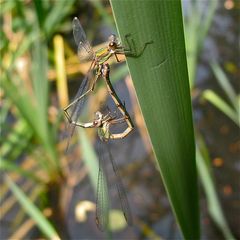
103, 123
114, 48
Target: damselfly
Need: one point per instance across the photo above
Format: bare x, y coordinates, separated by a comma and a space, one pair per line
106, 121
114, 48
98, 57
103, 123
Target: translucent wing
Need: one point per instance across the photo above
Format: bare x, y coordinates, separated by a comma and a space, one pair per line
75, 110
121, 191
83, 45
102, 200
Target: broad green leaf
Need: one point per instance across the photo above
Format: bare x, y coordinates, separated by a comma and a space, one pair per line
160, 78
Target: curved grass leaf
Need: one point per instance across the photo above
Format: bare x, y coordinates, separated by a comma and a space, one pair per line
197, 23
32, 210
219, 103
57, 13
225, 84
8, 166
205, 173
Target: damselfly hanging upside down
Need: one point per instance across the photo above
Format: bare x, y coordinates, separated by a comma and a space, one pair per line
104, 122
114, 48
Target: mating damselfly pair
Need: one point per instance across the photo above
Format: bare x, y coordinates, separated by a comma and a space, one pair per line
102, 121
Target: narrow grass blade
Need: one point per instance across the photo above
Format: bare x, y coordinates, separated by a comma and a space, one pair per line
22, 48
205, 21
40, 12
161, 81
21, 101
205, 174
225, 84
25, 105
196, 25
12, 167
32, 210
219, 103
40, 84
57, 12
16, 140
89, 156
41, 87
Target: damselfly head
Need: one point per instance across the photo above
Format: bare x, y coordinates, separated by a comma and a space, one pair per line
98, 119
113, 42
